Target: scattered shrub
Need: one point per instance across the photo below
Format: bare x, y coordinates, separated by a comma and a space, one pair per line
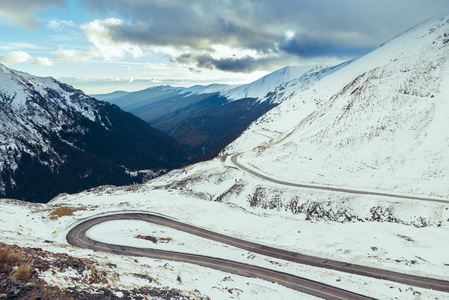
165, 240
23, 272
63, 211
8, 259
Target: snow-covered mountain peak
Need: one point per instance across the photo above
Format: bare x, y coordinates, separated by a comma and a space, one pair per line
24, 94
215, 88
5, 69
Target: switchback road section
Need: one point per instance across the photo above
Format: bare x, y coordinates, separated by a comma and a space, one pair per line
332, 188
77, 237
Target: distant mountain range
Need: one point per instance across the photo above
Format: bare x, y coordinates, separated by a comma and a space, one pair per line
54, 138
204, 119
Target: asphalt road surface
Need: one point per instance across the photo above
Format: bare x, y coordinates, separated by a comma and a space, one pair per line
77, 237
332, 188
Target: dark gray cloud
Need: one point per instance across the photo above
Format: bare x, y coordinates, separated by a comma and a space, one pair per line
198, 24
309, 49
305, 29
22, 11
245, 64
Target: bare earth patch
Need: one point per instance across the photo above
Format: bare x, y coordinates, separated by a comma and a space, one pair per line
63, 211
154, 239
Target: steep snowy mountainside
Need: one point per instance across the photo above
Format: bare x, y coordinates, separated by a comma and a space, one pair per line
216, 88
37, 96
381, 122
269, 83
68, 141
289, 89
28, 102
281, 117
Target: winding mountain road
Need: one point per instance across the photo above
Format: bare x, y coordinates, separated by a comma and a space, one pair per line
77, 237
332, 188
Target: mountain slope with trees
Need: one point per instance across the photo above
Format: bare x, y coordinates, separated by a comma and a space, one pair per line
54, 138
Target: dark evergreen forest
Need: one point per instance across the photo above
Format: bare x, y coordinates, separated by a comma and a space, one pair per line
90, 157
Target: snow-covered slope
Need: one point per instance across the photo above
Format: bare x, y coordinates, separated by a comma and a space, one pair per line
380, 122
269, 83
216, 88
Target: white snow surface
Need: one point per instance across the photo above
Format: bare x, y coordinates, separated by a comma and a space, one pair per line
398, 247
261, 87
17, 89
215, 88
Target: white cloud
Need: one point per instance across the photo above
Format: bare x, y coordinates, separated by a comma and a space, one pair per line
10, 46
59, 24
289, 35
20, 57
42, 61
70, 54
99, 35
224, 51
15, 57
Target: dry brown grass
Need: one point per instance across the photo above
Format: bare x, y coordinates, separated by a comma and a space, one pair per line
148, 238
407, 238
95, 276
154, 239
165, 240
63, 211
8, 258
23, 272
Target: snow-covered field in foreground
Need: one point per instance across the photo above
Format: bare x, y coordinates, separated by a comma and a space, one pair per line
404, 248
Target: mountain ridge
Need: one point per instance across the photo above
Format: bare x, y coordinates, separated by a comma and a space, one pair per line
47, 126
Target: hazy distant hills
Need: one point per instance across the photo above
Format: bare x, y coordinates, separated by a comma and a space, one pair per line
204, 119
54, 138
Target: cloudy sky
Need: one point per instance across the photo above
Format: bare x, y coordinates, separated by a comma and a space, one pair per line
106, 45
